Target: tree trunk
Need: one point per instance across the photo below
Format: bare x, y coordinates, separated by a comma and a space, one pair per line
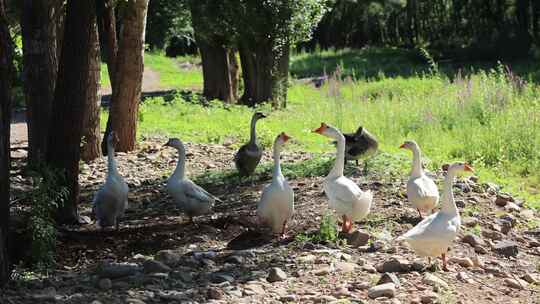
219, 72
63, 152
39, 71
109, 44
265, 74
6, 76
536, 20
91, 148
129, 73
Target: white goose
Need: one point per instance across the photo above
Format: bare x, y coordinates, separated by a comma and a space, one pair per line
111, 200
188, 196
421, 190
434, 235
344, 196
277, 201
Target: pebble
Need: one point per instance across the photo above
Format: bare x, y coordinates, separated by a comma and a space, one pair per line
214, 293
389, 277
105, 284
433, 280
511, 207
477, 262
221, 277
394, 265
117, 270
429, 298
358, 238
473, 240
288, 298
134, 301
369, 268
463, 276
322, 271
385, 290
464, 262
234, 259
169, 257
255, 288
276, 275
529, 278
153, 266
515, 283
502, 199
492, 234
470, 221
506, 248
345, 266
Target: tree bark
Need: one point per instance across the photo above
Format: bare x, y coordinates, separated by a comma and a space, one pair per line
109, 44
64, 140
91, 148
39, 70
129, 73
6, 76
265, 74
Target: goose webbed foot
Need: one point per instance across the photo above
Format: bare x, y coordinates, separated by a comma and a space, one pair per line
347, 224
283, 234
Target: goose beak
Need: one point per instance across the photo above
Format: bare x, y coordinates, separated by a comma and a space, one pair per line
320, 129
402, 146
285, 137
468, 168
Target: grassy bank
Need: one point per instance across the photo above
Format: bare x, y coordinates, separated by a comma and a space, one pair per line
490, 118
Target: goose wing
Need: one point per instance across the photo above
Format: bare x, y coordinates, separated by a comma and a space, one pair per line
195, 192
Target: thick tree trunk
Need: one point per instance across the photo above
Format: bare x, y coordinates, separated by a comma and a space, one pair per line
265, 74
39, 70
129, 73
109, 44
219, 72
63, 150
91, 148
6, 76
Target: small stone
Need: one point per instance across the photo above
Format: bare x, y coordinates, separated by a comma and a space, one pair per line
464, 262
117, 270
480, 250
324, 299
255, 288
369, 268
463, 276
529, 278
105, 284
502, 199
169, 257
214, 293
394, 265
470, 221
322, 271
358, 238
389, 277
460, 203
506, 248
153, 266
429, 298
288, 298
473, 240
432, 280
276, 275
221, 277
234, 259
418, 266
345, 266
98, 302
511, 207
515, 283
385, 290
493, 235
527, 214
341, 292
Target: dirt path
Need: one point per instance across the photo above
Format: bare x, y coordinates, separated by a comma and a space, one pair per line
19, 131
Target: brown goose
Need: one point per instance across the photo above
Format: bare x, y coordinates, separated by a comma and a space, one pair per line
249, 155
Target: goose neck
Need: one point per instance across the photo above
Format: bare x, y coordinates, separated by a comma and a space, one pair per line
448, 205
181, 164
416, 162
253, 132
337, 170
111, 160
277, 163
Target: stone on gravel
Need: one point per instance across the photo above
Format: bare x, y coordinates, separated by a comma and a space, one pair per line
480, 249
117, 270
185, 276
429, 298
234, 259
358, 238
473, 240
214, 293
470, 221
345, 266
170, 257
324, 299
433, 280
511, 207
463, 262
530, 278
492, 234
221, 277
515, 283
254, 288
105, 284
288, 298
389, 277
502, 199
418, 265
385, 290
276, 275
506, 248
394, 265
153, 266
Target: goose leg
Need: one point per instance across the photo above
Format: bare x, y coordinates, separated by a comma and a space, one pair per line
444, 267
283, 230
117, 226
419, 213
365, 167
356, 160
347, 224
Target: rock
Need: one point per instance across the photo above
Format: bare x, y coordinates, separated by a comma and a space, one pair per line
432, 280
214, 293
529, 278
134, 301
322, 271
117, 270
473, 240
185, 276
385, 290
480, 249
358, 238
341, 292
464, 262
463, 276
429, 298
418, 265
389, 277
255, 288
199, 255
506, 248
527, 214
324, 299
105, 284
153, 266
345, 266
221, 277
234, 259
169, 257
369, 268
493, 235
276, 275
470, 221
394, 265
502, 199
460, 203
511, 207
288, 298
515, 283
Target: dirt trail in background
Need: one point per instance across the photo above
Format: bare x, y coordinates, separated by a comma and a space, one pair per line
19, 131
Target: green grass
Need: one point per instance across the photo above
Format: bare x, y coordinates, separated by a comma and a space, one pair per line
489, 119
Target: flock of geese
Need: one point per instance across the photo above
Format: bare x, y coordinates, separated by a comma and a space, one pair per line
431, 237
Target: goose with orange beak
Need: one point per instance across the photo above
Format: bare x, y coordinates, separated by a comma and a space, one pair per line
434, 235
344, 196
276, 206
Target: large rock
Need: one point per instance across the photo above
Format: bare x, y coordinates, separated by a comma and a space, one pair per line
506, 248
385, 290
153, 266
276, 275
117, 270
473, 240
